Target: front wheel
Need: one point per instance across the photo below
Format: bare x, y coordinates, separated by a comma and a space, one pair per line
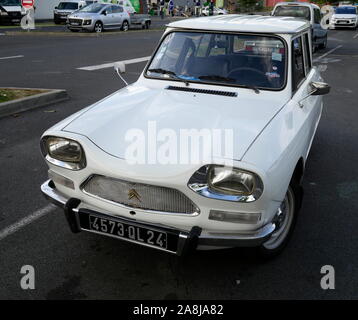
323, 45
125, 26
98, 27
285, 221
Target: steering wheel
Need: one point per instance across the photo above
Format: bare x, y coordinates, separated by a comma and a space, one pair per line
256, 72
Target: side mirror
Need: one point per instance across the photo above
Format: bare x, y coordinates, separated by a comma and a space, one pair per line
56, 7
120, 67
104, 12
319, 88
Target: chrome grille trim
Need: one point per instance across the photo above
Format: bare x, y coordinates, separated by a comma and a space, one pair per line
151, 196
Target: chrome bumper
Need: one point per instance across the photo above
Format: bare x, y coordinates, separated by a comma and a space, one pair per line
253, 239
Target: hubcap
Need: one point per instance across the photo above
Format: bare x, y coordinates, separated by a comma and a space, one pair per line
98, 27
283, 221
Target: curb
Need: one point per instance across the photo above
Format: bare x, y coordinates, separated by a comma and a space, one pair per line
32, 102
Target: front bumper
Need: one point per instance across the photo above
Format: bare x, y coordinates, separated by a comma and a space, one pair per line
187, 240
344, 25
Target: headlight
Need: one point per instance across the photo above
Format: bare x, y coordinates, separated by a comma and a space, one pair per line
4, 13
63, 152
87, 22
226, 183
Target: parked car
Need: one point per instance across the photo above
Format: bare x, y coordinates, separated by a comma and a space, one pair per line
252, 75
309, 12
98, 17
217, 11
344, 16
143, 20
11, 11
65, 8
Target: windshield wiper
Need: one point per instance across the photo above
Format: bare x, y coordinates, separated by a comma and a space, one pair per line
169, 72
216, 78
162, 71
250, 87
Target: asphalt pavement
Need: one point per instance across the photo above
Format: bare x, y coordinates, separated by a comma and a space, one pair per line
87, 266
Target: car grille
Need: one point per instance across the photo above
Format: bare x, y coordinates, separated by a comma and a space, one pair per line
138, 195
75, 22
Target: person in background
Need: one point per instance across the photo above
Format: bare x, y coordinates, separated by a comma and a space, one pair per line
171, 8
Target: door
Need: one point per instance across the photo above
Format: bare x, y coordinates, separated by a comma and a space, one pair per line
107, 17
306, 109
117, 16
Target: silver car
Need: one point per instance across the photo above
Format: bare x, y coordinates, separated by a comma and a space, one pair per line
98, 17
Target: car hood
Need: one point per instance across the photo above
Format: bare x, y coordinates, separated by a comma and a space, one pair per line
138, 107
344, 16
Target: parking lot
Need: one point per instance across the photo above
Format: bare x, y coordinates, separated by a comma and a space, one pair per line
87, 266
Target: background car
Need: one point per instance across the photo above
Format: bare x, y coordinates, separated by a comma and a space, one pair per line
217, 11
344, 16
65, 8
98, 17
306, 11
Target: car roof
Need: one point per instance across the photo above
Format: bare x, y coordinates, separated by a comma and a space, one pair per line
244, 23
303, 4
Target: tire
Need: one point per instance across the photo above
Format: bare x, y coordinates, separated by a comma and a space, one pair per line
125, 25
286, 222
147, 24
323, 45
57, 22
98, 27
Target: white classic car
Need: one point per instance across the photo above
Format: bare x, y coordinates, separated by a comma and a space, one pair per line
245, 83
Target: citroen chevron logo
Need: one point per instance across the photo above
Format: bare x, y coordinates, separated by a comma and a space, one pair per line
133, 194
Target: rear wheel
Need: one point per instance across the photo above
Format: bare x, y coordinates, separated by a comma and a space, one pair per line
285, 221
125, 25
98, 27
147, 24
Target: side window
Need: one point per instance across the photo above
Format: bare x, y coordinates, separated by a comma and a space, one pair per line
108, 10
308, 62
317, 16
298, 72
115, 9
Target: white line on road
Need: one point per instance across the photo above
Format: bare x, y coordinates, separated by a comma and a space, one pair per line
111, 64
327, 53
25, 221
12, 57
355, 36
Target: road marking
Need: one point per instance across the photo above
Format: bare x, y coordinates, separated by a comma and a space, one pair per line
25, 221
111, 64
355, 36
12, 57
327, 53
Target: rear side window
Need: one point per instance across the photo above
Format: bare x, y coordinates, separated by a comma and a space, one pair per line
298, 72
308, 63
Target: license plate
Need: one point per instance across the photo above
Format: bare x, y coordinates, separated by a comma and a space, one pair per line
75, 23
127, 231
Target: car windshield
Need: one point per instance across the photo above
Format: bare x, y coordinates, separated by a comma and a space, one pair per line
93, 8
346, 10
224, 59
10, 2
293, 11
68, 5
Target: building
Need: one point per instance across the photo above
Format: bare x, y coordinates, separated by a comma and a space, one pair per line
44, 8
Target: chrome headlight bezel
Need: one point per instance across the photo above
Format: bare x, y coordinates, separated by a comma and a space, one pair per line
61, 161
201, 183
